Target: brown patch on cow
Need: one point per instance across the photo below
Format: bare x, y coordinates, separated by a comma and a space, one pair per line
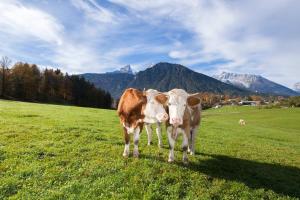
186, 122
191, 119
194, 100
131, 106
161, 98
195, 116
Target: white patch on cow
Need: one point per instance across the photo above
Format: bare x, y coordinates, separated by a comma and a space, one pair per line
126, 150
158, 132
154, 111
149, 132
184, 147
171, 144
136, 138
129, 129
177, 104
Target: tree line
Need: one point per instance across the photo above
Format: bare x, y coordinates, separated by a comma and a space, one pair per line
26, 82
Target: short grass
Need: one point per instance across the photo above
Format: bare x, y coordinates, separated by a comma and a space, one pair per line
64, 152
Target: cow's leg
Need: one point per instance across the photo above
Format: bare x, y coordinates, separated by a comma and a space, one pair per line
193, 140
158, 132
127, 141
190, 142
149, 132
171, 143
136, 138
185, 143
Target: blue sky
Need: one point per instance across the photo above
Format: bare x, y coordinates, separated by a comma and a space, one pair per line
209, 36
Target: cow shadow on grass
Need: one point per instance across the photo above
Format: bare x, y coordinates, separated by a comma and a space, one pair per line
278, 178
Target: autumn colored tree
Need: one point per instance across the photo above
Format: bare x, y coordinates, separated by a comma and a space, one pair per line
4, 64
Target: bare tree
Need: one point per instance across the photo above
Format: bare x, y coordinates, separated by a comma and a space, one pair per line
4, 63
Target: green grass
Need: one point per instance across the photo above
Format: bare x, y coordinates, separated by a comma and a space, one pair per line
65, 152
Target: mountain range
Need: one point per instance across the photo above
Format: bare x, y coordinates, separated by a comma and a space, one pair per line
163, 77
255, 83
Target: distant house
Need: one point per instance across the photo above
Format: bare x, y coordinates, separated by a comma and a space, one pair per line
249, 103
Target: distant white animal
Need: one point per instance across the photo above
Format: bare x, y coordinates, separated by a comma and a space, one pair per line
217, 106
242, 122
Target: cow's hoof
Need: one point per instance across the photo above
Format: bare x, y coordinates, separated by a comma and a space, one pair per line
185, 160
192, 153
125, 155
160, 146
136, 154
150, 143
170, 160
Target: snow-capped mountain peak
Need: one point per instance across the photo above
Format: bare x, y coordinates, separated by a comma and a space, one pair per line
124, 70
242, 80
254, 83
149, 65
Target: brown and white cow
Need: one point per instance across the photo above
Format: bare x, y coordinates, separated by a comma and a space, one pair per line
184, 113
136, 107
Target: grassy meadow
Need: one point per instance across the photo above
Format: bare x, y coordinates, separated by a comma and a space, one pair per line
65, 152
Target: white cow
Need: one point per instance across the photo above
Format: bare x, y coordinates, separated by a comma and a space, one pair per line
152, 120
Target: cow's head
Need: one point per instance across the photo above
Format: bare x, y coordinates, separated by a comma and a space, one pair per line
178, 102
154, 110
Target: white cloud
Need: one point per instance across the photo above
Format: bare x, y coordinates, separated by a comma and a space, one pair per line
21, 21
179, 54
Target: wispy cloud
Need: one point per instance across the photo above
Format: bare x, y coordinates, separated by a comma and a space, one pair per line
29, 23
95, 11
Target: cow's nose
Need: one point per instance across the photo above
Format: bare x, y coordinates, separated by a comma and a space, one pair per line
162, 117
166, 116
175, 121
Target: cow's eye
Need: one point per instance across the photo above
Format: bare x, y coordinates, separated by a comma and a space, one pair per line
169, 104
184, 105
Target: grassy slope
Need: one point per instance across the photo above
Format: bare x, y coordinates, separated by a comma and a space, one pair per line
52, 152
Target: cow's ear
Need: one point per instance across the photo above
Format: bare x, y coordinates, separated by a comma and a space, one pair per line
162, 98
194, 100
